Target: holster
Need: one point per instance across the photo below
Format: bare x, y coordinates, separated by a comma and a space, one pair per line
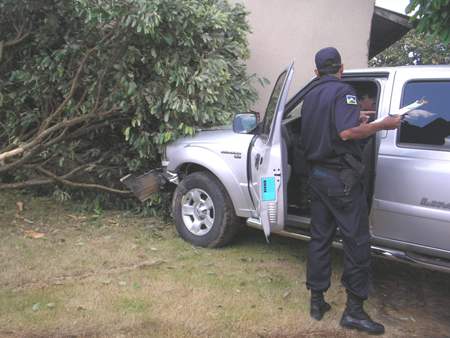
352, 173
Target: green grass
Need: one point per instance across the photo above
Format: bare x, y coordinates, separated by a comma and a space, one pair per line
119, 275
132, 305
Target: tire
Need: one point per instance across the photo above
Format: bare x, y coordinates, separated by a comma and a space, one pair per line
203, 212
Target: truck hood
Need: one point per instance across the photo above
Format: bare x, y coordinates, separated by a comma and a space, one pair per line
225, 137
224, 141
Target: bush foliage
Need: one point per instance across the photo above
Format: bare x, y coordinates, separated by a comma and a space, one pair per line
414, 49
91, 89
432, 17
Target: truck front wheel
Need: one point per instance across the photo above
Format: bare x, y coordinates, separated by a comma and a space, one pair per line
203, 212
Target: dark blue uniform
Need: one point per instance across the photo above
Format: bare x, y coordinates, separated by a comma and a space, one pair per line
328, 109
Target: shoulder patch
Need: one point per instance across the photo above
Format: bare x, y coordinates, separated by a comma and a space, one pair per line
351, 99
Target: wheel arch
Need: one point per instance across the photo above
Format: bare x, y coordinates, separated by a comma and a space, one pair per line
219, 170
191, 167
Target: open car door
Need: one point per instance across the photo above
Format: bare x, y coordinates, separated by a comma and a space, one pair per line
268, 168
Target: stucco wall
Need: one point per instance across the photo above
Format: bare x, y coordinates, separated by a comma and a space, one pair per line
286, 30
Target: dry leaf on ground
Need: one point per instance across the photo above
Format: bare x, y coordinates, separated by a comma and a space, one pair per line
19, 206
33, 234
286, 294
77, 218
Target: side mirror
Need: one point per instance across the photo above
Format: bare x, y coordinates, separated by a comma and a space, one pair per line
244, 123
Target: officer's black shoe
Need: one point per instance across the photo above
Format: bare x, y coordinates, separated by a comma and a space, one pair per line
354, 317
318, 305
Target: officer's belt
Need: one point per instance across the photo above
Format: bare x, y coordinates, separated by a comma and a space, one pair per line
331, 164
346, 161
349, 169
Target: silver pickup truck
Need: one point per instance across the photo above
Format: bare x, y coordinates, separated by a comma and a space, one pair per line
252, 172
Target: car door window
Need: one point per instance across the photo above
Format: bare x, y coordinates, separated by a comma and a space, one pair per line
428, 126
272, 105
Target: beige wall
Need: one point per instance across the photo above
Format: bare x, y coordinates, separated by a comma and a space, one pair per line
286, 30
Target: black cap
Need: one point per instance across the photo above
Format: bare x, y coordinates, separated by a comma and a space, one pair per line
328, 59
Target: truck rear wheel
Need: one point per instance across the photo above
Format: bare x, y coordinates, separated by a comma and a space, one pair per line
203, 212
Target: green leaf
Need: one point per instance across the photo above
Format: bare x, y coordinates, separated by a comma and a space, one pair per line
168, 38
127, 133
166, 115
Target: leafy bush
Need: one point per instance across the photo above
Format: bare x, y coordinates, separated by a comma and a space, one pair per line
91, 89
413, 49
432, 17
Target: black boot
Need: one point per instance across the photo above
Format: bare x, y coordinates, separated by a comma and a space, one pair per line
355, 317
318, 305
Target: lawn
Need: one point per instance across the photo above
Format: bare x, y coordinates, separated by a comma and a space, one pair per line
68, 272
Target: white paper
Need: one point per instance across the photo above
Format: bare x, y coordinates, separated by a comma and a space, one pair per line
405, 109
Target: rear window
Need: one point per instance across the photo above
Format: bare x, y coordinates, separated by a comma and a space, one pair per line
429, 125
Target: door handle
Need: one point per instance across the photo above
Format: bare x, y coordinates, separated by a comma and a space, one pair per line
258, 156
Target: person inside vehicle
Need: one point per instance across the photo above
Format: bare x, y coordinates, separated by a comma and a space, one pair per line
367, 104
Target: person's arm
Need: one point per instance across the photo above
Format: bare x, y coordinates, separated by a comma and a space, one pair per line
348, 118
364, 130
366, 115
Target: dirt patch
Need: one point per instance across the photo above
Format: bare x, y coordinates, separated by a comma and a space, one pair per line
118, 275
414, 300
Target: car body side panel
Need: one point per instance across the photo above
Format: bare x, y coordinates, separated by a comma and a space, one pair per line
408, 180
225, 156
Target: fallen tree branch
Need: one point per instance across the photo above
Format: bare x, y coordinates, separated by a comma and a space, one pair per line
63, 124
76, 170
26, 184
41, 181
30, 153
6, 167
52, 178
71, 173
64, 181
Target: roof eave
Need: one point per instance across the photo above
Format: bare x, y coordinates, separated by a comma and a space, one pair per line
387, 28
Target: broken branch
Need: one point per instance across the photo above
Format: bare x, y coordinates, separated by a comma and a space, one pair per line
82, 185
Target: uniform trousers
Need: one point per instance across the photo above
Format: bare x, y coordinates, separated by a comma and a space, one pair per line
333, 208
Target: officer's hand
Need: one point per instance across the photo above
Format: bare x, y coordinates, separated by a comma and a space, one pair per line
365, 115
391, 122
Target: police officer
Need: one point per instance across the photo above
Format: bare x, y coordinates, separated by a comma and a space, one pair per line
331, 125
